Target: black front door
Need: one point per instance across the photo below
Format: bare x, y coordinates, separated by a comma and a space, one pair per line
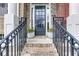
40, 17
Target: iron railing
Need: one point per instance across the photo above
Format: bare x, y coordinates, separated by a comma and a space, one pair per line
14, 42
65, 43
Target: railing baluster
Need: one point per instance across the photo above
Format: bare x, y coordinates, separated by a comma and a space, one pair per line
22, 38
78, 51
57, 37
67, 47
72, 47
59, 41
11, 47
7, 46
17, 44
61, 46
64, 44
0, 51
25, 34
21, 41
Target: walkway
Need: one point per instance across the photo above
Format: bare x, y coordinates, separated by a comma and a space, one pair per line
39, 46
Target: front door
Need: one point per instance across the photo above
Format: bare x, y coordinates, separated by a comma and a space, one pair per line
40, 17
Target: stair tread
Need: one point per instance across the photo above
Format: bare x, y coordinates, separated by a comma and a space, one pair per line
39, 46
40, 50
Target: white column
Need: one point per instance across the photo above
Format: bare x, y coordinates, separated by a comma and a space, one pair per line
11, 20
47, 17
50, 25
12, 8
18, 10
73, 8
30, 14
33, 17
73, 20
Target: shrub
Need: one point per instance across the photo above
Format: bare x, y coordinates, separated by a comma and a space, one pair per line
30, 30
50, 30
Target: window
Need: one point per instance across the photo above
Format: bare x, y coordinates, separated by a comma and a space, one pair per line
3, 9
40, 12
2, 5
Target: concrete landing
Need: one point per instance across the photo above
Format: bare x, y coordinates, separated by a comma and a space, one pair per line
39, 46
40, 40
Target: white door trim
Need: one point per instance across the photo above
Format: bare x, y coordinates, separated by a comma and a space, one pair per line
47, 14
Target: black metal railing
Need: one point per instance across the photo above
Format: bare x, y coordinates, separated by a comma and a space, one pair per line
14, 42
65, 43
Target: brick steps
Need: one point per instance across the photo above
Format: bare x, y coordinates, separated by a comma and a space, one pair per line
39, 46
39, 50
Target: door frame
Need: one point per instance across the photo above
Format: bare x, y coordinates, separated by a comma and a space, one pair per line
44, 20
32, 6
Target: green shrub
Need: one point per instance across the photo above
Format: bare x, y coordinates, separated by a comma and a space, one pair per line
50, 30
30, 30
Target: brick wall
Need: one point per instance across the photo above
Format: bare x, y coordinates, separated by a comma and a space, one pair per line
63, 10
53, 9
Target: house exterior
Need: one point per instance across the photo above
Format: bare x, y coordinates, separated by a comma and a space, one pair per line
39, 15
39, 22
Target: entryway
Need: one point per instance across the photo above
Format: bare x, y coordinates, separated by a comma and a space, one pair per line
40, 20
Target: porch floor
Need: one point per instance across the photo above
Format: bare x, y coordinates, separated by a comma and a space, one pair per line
39, 46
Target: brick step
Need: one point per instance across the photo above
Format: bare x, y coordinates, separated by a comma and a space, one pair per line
42, 54
39, 50
38, 45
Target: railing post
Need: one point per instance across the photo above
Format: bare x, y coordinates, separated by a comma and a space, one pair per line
17, 44
0, 51
25, 30
72, 47
64, 43
78, 51
68, 46
7, 47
